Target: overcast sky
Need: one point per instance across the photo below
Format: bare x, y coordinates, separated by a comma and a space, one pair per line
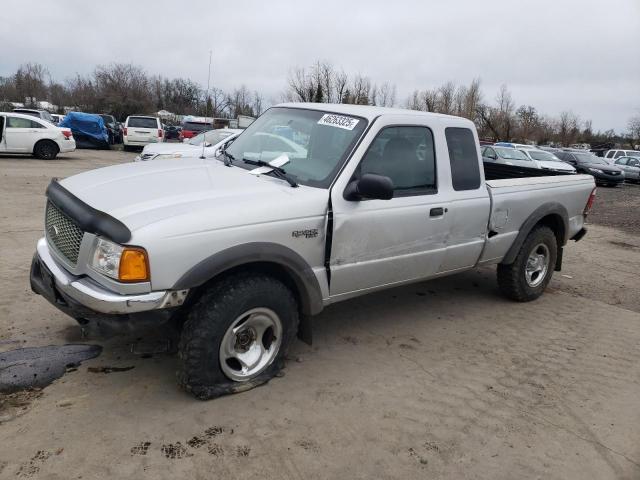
578, 55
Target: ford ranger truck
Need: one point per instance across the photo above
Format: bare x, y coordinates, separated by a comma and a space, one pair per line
311, 205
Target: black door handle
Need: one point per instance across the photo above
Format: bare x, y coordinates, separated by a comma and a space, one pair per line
436, 212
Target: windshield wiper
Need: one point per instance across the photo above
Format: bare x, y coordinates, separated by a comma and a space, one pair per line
277, 171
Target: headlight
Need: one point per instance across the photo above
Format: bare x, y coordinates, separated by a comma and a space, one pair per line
165, 156
596, 170
126, 264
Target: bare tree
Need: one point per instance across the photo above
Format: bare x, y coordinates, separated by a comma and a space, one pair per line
31, 82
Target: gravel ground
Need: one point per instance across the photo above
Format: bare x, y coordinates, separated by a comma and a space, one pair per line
618, 207
442, 379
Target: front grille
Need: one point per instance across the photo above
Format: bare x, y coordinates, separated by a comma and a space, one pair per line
612, 173
147, 156
63, 233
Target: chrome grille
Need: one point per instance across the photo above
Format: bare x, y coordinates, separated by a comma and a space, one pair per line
62, 233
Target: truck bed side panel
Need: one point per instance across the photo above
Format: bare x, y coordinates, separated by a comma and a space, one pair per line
515, 200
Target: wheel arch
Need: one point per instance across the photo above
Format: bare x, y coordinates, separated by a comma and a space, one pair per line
273, 259
553, 215
45, 140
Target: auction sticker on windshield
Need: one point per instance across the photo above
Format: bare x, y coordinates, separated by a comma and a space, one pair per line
339, 121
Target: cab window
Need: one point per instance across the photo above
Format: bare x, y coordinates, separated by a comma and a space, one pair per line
463, 157
407, 156
17, 122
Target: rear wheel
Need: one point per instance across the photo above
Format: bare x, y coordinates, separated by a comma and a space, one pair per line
527, 277
46, 150
236, 335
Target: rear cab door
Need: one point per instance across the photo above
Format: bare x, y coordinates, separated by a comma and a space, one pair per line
143, 129
376, 243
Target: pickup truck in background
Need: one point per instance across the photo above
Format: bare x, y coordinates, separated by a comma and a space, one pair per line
247, 247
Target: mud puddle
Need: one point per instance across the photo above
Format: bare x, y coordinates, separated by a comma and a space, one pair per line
37, 367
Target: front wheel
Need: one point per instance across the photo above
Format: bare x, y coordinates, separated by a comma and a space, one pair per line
527, 277
236, 335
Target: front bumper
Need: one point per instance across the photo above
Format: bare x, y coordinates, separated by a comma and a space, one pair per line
606, 178
82, 297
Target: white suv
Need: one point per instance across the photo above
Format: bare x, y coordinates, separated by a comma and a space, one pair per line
612, 155
140, 130
20, 133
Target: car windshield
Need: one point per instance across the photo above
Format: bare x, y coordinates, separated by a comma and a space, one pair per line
315, 142
543, 156
510, 153
197, 126
107, 118
211, 137
143, 122
588, 158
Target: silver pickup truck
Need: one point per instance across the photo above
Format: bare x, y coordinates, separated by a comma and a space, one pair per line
312, 204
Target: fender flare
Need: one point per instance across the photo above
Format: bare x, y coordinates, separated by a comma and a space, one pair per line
298, 270
551, 208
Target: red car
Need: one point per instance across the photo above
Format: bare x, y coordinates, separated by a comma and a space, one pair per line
192, 128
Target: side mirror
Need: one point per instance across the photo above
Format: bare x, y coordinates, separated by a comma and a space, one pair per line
369, 186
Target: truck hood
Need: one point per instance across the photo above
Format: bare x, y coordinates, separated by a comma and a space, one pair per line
166, 147
192, 192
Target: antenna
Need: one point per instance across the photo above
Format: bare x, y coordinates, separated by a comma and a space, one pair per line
206, 108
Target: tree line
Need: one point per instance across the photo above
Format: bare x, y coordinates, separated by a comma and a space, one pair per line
124, 89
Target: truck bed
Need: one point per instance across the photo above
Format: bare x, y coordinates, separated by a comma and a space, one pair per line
515, 199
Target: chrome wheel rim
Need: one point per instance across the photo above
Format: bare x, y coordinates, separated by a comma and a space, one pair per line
537, 265
250, 344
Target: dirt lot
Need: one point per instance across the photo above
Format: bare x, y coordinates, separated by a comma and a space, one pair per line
444, 379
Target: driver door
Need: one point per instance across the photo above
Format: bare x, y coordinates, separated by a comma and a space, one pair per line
377, 243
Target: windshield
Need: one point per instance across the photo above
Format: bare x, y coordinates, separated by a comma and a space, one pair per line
510, 153
107, 119
543, 156
211, 137
316, 142
196, 126
588, 158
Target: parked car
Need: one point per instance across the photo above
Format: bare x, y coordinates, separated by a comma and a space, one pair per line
604, 173
172, 131
20, 133
141, 130
114, 128
88, 130
247, 248
547, 160
507, 156
193, 148
43, 114
56, 118
631, 167
194, 126
613, 154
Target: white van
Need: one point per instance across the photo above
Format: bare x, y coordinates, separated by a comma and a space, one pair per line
140, 130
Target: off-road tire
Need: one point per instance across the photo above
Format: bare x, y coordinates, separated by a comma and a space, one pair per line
511, 278
46, 150
209, 318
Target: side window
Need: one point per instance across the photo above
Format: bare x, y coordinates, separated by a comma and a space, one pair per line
36, 124
621, 161
633, 162
407, 156
609, 154
15, 122
619, 154
463, 157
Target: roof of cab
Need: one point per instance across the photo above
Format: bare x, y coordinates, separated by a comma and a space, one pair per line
365, 111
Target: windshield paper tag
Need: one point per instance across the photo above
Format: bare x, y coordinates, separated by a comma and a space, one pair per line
339, 121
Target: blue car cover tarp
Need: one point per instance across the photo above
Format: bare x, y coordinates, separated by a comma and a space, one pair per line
87, 128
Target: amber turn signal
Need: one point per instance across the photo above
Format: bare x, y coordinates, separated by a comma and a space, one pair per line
134, 266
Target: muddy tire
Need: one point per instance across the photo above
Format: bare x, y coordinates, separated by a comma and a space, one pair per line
46, 150
236, 335
527, 277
